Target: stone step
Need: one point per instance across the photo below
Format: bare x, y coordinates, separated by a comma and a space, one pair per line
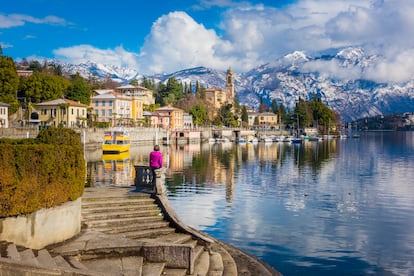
152, 269
98, 198
149, 233
12, 252
229, 265
216, 267
45, 259
41, 259
133, 227
61, 262
88, 216
28, 257
175, 238
122, 221
202, 264
120, 202
174, 272
120, 208
128, 265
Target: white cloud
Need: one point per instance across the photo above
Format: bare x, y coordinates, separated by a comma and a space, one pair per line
332, 69
394, 68
177, 42
82, 53
249, 36
16, 20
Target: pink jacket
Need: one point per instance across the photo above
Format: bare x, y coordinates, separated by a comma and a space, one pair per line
155, 159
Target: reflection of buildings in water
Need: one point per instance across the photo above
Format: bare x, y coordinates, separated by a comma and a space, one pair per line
268, 152
179, 157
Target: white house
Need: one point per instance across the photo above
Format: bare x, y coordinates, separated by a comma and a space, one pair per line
4, 115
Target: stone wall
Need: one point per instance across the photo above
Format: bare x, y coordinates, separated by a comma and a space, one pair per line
43, 227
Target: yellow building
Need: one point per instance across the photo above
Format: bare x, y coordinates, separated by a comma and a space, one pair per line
175, 116
62, 112
112, 107
267, 119
140, 97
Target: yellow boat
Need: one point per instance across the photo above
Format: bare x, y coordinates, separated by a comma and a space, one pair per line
116, 141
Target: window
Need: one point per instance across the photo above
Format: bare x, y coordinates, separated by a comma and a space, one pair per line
96, 103
103, 113
110, 112
96, 112
103, 103
110, 103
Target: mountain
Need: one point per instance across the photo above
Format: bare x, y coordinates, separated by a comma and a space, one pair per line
100, 71
335, 78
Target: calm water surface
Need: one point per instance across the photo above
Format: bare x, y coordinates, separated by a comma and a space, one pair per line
337, 207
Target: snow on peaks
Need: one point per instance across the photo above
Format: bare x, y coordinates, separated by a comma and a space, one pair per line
351, 53
296, 57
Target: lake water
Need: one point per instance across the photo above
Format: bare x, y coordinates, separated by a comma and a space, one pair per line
336, 207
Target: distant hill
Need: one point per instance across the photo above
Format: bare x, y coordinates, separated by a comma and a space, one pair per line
290, 77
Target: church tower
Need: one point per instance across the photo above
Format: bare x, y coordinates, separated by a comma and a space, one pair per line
230, 84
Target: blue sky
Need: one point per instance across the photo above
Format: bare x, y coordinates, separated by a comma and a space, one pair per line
163, 36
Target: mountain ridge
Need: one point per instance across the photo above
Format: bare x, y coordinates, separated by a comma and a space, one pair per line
338, 79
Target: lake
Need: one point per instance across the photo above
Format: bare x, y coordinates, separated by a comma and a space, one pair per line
336, 207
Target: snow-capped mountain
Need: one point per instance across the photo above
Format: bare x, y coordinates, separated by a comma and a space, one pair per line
336, 78
100, 71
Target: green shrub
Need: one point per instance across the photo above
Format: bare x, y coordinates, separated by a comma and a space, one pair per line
40, 173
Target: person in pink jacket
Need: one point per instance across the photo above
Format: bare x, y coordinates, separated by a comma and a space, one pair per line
155, 159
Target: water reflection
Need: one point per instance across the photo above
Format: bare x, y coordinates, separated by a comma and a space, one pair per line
321, 208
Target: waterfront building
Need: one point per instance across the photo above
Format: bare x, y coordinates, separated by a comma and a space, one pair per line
188, 121
174, 114
267, 119
112, 107
4, 115
140, 97
61, 112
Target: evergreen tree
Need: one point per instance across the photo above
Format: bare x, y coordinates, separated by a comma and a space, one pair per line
79, 90
9, 82
41, 87
134, 82
275, 108
244, 115
199, 114
262, 106
282, 112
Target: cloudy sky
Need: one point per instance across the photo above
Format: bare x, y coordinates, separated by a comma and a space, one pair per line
168, 35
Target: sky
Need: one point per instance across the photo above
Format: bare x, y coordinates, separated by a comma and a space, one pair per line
164, 36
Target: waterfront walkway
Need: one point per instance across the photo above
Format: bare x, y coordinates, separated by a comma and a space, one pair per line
130, 231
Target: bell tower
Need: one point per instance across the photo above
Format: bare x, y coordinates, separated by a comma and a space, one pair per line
230, 84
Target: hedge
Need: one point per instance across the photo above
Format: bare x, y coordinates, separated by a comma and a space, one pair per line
40, 173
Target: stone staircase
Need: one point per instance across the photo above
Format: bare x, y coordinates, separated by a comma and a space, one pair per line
16, 260
126, 233
138, 218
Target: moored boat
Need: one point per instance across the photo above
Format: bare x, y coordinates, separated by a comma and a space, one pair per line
116, 141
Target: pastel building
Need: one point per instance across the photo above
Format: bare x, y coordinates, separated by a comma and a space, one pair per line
4, 115
61, 112
112, 107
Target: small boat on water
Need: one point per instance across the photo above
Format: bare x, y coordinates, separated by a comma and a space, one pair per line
296, 140
116, 141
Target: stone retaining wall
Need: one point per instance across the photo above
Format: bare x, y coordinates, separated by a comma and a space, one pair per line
43, 227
